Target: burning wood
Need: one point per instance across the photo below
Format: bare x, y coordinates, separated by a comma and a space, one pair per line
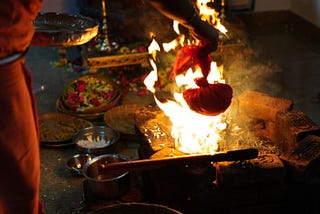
199, 137
202, 94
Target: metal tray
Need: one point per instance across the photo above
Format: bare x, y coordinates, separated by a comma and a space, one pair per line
58, 128
63, 30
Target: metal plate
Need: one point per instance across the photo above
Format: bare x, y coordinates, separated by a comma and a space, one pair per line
63, 30
58, 128
121, 118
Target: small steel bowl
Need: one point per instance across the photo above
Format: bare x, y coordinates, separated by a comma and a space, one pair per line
105, 184
96, 140
77, 161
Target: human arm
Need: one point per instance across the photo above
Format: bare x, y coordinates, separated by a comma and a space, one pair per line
16, 27
184, 12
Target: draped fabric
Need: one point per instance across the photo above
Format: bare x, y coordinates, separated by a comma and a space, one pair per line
208, 99
19, 141
16, 27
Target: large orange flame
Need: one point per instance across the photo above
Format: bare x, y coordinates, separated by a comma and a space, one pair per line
193, 133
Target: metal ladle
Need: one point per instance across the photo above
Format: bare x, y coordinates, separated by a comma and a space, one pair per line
147, 164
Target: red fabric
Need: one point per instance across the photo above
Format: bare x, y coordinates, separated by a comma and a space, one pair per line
208, 99
19, 141
192, 55
211, 100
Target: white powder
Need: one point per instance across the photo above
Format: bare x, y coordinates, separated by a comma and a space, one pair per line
92, 143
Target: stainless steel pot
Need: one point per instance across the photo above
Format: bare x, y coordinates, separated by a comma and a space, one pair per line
103, 183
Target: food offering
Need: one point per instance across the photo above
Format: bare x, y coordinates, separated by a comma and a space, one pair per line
56, 129
121, 118
90, 94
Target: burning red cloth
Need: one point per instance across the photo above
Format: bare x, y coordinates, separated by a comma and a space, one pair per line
208, 99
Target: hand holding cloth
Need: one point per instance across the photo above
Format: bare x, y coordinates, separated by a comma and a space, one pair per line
208, 99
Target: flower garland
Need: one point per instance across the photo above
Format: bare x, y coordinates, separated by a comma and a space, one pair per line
89, 93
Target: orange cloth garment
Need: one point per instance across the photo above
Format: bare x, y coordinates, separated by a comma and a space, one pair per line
16, 27
19, 140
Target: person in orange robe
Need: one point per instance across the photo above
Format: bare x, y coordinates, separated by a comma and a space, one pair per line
19, 139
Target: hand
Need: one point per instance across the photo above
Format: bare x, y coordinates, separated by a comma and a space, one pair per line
204, 32
184, 12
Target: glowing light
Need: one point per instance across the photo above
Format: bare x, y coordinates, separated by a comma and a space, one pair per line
193, 133
209, 15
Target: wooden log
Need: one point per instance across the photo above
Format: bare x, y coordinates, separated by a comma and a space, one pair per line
292, 127
265, 169
262, 106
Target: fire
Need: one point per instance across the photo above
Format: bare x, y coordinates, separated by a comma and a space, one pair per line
193, 133
209, 15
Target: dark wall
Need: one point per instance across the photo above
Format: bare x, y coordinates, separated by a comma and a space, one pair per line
130, 20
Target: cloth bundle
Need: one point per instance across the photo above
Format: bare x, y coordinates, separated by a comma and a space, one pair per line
208, 99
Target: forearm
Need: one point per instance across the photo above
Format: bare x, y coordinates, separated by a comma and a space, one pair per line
179, 10
185, 13
16, 27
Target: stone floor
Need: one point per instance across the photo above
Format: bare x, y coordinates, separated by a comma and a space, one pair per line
282, 59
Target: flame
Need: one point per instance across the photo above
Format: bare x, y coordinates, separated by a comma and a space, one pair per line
209, 15
193, 133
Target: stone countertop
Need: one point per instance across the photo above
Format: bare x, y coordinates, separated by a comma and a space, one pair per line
61, 190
